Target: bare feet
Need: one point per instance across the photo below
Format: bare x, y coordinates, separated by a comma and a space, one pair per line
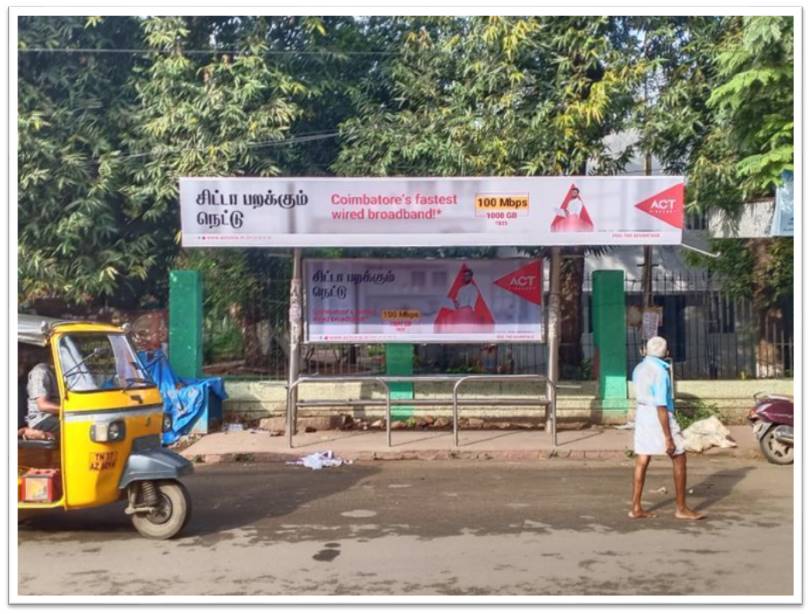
639, 514
687, 514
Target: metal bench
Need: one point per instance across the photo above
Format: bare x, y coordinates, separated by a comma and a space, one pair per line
293, 403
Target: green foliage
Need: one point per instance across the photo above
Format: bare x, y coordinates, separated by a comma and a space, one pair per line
203, 115
719, 104
755, 99
75, 238
758, 269
723, 115
735, 265
104, 137
700, 410
492, 96
779, 271
223, 340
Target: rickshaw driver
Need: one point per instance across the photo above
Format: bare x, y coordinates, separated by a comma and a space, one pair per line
43, 399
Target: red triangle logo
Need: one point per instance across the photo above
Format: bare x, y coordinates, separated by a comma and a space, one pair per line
569, 222
667, 206
526, 282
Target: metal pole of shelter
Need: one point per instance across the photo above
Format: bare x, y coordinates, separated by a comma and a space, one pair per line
296, 330
647, 272
553, 342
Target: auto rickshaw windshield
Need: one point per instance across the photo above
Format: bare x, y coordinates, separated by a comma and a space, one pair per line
95, 361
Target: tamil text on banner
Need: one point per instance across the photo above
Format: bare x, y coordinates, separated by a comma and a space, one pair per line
346, 212
423, 301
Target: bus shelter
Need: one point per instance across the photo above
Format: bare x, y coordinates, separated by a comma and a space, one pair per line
428, 301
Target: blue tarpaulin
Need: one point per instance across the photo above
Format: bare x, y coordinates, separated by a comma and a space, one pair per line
184, 399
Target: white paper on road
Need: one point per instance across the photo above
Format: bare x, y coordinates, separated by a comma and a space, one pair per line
319, 460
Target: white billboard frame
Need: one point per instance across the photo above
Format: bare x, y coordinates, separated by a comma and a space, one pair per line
431, 211
452, 338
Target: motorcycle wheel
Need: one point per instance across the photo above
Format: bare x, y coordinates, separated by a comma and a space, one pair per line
774, 450
173, 513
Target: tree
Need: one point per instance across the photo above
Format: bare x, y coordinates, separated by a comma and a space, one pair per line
725, 118
498, 96
753, 103
74, 243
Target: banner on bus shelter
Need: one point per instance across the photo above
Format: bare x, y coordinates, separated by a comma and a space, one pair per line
423, 301
382, 212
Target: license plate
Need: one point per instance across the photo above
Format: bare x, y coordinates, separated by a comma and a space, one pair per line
99, 461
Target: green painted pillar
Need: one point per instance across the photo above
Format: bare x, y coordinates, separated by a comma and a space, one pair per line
610, 337
399, 361
186, 323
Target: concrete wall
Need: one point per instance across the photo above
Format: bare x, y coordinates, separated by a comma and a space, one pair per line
577, 400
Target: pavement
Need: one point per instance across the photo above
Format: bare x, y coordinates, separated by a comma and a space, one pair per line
596, 442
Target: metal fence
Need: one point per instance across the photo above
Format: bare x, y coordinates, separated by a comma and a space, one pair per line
712, 335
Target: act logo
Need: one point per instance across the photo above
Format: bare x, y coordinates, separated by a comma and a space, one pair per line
526, 282
666, 206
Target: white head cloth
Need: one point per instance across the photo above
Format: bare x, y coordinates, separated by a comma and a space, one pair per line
657, 346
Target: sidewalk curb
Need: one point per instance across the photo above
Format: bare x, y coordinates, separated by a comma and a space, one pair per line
443, 455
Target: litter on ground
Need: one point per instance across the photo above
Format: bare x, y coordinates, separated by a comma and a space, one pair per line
704, 434
319, 460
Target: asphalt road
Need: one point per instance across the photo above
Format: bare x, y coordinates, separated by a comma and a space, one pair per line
433, 528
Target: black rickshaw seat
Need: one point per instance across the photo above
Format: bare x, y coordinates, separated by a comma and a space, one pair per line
38, 444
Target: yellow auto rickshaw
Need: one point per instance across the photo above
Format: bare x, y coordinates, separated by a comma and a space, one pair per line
110, 419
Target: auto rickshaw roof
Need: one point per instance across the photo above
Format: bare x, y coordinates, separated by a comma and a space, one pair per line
35, 330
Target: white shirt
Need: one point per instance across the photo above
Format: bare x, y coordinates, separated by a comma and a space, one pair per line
575, 206
467, 296
652, 383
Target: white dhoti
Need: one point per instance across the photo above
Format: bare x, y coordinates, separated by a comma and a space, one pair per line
649, 435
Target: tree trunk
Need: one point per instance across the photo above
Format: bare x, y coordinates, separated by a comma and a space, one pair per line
254, 329
769, 358
572, 275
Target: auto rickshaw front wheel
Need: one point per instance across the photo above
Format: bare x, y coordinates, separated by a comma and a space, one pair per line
170, 515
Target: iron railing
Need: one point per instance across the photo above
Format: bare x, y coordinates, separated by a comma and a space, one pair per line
712, 335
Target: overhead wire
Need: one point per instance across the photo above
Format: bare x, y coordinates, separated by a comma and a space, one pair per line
304, 138
202, 51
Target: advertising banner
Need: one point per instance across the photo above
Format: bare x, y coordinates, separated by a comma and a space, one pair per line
424, 212
782, 224
423, 301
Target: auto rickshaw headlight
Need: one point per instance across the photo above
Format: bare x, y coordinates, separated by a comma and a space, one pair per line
167, 423
103, 432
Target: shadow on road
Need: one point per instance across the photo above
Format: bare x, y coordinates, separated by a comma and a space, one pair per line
711, 490
229, 497
224, 497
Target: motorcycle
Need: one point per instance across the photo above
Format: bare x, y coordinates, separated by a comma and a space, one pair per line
772, 419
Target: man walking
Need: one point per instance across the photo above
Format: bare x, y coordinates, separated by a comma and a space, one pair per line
657, 432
